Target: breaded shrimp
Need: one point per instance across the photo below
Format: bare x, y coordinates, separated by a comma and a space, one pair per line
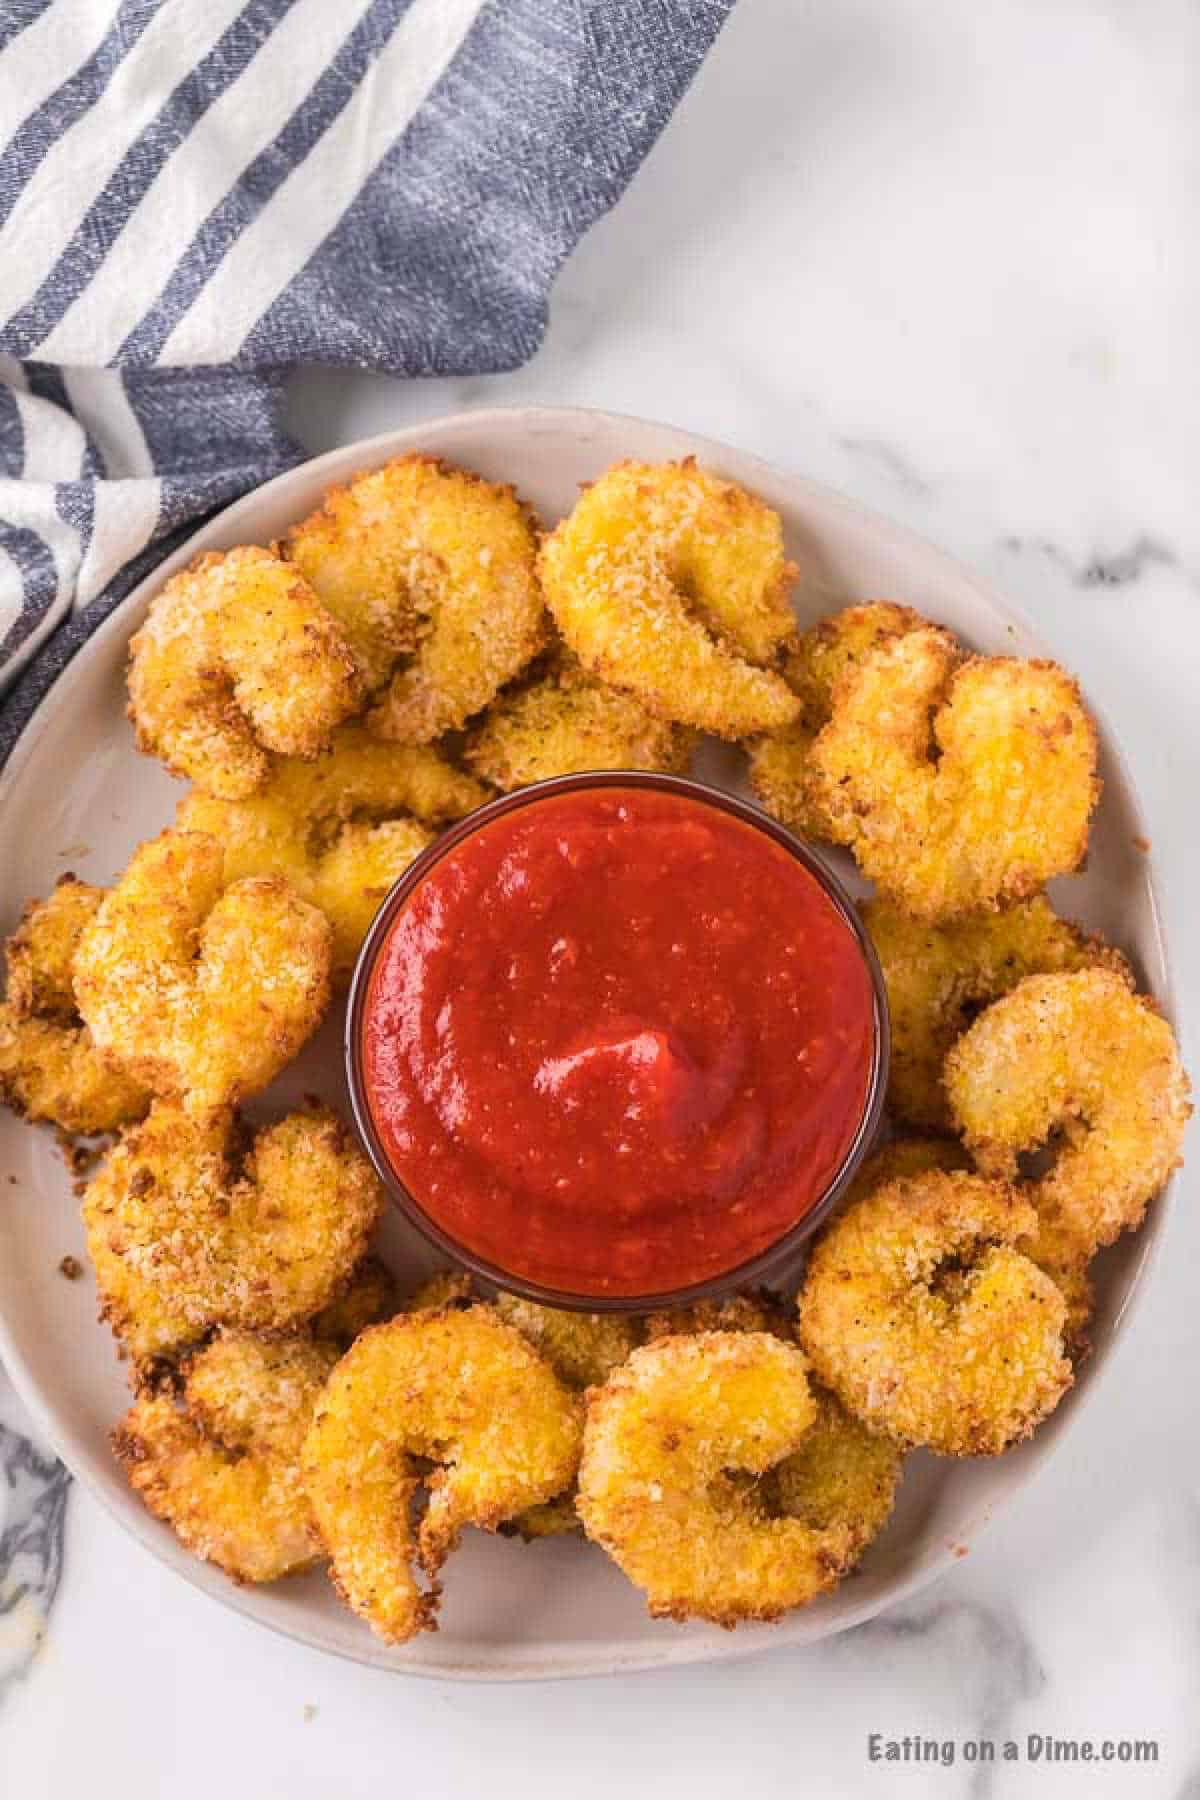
238, 657
461, 1390
938, 976
421, 561
957, 784
757, 1311
186, 1234
371, 1296
224, 1471
198, 992
50, 1067
779, 762
673, 584
1081, 1058
842, 1477
582, 1348
922, 1315
354, 877
564, 722
668, 1445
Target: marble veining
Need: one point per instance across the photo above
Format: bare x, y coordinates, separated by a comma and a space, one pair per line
33, 1504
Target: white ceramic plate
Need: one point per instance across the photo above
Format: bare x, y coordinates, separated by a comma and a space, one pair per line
77, 796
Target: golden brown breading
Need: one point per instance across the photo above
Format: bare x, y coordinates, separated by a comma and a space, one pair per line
757, 1311
50, 1067
224, 1471
842, 1475
957, 784
238, 657
668, 1444
198, 992
353, 879
905, 1156
1080, 1056
370, 1297
566, 721
582, 1348
921, 1314
462, 1390
424, 561
938, 976
673, 584
184, 1235
779, 762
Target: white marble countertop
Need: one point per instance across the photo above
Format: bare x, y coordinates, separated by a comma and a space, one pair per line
944, 258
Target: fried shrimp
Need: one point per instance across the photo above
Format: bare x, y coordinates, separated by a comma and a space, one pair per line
779, 762
330, 826
673, 584
1080, 1060
224, 1471
939, 976
198, 992
957, 784
566, 721
461, 1390
582, 1348
238, 657
903, 1157
430, 565
843, 1477
927, 1322
758, 1311
669, 1443
370, 1297
186, 1234
50, 1067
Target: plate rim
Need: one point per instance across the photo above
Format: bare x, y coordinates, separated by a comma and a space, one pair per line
682, 1652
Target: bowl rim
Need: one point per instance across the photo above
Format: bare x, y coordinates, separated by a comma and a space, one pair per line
765, 1266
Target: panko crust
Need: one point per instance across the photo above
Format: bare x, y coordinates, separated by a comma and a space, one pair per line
566, 721
959, 784
370, 1296
672, 584
50, 1068
842, 1478
198, 992
779, 761
582, 1348
461, 1390
237, 658
186, 1234
922, 1315
669, 1443
939, 975
223, 1469
426, 564
1079, 1057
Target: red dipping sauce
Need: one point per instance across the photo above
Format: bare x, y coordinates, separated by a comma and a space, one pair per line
616, 1041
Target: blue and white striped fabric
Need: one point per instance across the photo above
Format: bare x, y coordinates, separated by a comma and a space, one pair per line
197, 194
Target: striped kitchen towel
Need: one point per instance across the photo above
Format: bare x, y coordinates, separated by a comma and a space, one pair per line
197, 194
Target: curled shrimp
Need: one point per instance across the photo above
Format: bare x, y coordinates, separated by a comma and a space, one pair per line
922, 1315
188, 1228
1081, 1058
780, 760
460, 1390
238, 657
432, 568
676, 1446
673, 584
566, 721
223, 1469
939, 975
198, 992
50, 1067
958, 784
